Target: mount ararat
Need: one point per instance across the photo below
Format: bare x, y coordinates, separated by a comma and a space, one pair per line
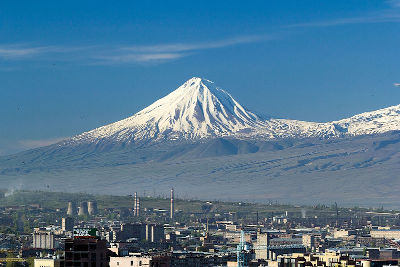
200, 110
201, 141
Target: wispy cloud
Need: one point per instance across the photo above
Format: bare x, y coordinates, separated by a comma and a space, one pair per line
123, 58
166, 52
26, 51
17, 51
346, 21
391, 14
182, 47
34, 143
120, 54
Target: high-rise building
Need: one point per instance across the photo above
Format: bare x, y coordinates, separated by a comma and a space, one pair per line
172, 211
67, 224
308, 241
133, 230
263, 239
154, 233
86, 252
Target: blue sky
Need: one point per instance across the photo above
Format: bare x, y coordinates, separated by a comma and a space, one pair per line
68, 67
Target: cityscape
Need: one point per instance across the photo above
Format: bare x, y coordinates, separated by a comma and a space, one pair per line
142, 230
200, 133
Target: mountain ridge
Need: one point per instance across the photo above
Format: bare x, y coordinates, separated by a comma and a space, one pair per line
199, 109
201, 141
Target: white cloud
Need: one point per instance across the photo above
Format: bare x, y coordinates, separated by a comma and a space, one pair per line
166, 52
182, 47
9, 52
25, 51
123, 54
132, 58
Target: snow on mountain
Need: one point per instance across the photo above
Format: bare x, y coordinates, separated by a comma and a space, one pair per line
198, 109
374, 122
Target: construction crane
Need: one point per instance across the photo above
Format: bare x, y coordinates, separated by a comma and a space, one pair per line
244, 249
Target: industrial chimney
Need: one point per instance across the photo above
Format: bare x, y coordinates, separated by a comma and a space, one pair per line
136, 205
172, 211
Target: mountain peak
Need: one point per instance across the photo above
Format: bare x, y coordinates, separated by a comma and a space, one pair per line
198, 80
197, 84
196, 109
199, 109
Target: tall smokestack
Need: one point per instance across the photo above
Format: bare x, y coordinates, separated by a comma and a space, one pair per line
172, 205
135, 204
138, 206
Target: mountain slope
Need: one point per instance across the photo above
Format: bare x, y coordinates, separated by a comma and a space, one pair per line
199, 110
200, 140
361, 170
375, 122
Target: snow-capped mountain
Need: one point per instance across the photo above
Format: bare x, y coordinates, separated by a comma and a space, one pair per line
227, 149
199, 109
375, 122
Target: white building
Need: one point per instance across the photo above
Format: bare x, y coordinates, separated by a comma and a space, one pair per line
135, 261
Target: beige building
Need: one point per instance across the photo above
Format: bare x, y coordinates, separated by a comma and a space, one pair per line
262, 244
134, 261
308, 241
331, 259
388, 234
343, 233
46, 262
67, 224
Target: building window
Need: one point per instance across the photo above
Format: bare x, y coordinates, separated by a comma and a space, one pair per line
131, 263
